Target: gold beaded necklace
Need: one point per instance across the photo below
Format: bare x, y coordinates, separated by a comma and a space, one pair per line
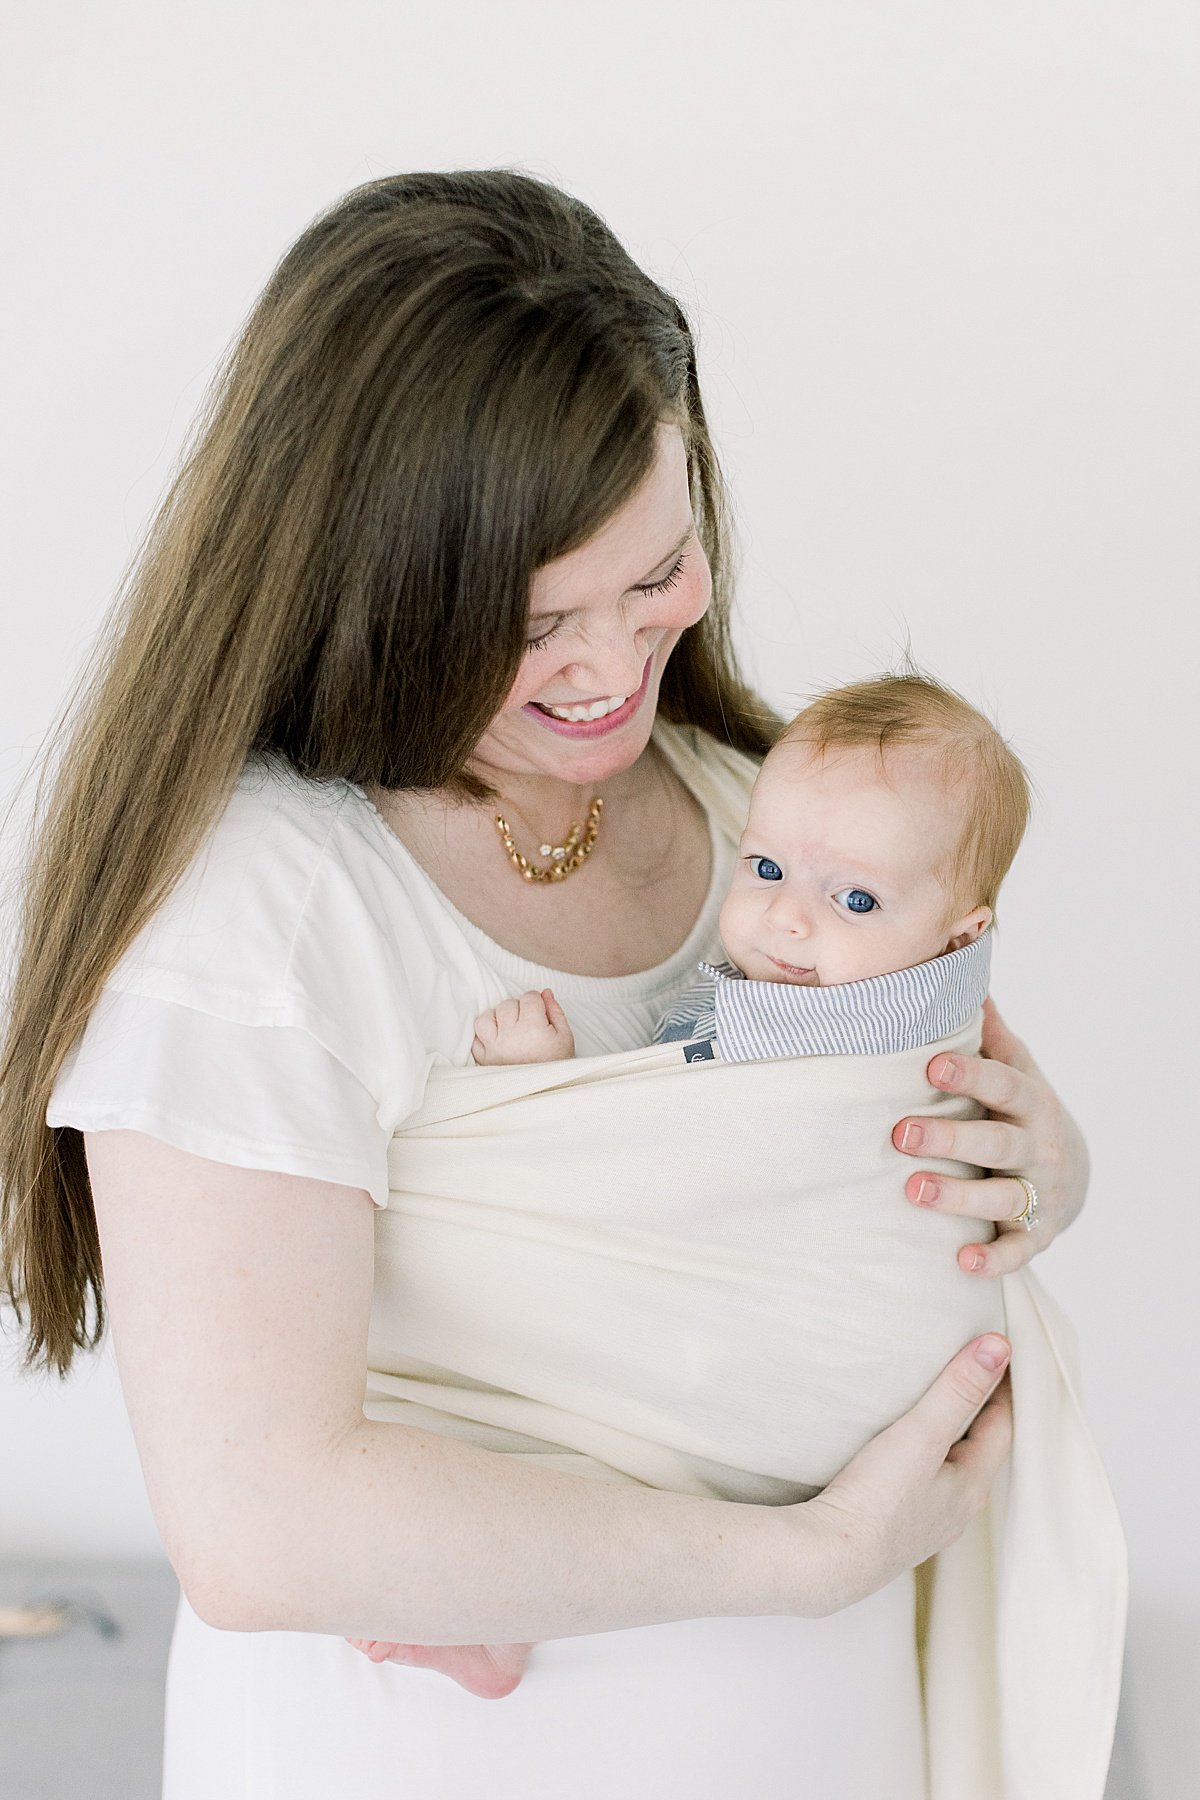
565, 858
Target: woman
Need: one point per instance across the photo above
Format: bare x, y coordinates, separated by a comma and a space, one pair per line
455, 482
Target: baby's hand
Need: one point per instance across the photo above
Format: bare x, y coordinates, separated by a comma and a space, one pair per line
489, 1670
531, 1029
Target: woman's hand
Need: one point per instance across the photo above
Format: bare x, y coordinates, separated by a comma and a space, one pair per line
911, 1491
489, 1670
1027, 1132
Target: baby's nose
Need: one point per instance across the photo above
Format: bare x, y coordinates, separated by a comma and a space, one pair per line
789, 914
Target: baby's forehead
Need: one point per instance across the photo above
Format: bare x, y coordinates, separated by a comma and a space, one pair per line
795, 762
900, 809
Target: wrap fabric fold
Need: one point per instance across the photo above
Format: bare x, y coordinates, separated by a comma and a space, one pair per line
704, 1276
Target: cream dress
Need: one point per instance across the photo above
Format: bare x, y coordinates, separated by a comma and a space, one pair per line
282, 1010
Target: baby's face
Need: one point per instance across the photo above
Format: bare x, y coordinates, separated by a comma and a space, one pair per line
836, 873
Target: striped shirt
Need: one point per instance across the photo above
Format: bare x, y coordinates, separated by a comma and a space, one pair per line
749, 1020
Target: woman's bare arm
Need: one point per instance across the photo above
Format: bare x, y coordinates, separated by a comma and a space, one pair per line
239, 1302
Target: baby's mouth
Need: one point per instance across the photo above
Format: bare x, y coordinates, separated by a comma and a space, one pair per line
791, 969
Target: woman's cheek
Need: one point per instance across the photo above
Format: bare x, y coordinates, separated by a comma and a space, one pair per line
697, 594
537, 673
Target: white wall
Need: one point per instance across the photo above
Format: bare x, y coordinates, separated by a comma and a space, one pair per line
943, 262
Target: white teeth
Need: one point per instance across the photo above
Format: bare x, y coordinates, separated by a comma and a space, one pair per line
575, 715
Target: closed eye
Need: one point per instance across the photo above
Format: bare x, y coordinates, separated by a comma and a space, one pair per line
669, 580
536, 643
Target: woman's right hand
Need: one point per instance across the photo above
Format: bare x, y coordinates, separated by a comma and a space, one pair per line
908, 1493
912, 1490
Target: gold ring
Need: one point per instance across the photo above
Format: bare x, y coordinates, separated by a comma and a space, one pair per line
1028, 1214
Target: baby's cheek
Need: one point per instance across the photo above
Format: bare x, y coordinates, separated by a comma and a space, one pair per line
732, 924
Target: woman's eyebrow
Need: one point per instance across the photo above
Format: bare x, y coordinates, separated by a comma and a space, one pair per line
671, 554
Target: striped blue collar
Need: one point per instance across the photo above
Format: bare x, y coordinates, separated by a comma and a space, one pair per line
901, 1011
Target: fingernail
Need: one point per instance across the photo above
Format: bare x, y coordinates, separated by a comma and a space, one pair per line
912, 1137
927, 1193
976, 1261
992, 1352
946, 1070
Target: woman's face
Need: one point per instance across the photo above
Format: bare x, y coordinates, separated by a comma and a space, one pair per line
602, 623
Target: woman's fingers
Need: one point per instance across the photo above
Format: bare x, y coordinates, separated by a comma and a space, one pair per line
1002, 1044
999, 1197
946, 1410
1008, 1252
1027, 1132
988, 1143
1001, 1087
979, 1454
915, 1487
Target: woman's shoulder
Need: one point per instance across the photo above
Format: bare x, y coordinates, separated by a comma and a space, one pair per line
280, 1009
231, 916
294, 910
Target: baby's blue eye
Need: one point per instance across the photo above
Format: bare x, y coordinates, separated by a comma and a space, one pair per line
765, 869
857, 900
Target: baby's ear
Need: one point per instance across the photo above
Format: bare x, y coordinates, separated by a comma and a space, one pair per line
969, 927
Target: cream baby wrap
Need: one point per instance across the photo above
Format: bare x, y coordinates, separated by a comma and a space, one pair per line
704, 1276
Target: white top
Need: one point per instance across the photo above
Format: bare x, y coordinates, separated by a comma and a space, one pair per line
281, 1010
304, 914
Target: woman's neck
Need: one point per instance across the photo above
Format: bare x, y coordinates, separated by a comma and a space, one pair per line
546, 802
539, 808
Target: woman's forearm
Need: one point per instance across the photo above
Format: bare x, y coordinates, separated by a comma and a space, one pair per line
407, 1535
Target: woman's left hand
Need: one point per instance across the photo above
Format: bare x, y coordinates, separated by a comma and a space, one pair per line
1027, 1131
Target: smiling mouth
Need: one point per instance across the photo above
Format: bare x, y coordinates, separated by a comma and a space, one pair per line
608, 717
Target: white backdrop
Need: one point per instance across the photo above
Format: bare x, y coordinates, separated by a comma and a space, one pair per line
943, 261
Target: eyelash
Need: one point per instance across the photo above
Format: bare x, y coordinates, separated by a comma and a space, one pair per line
655, 587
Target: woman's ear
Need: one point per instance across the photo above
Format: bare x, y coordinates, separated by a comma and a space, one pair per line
969, 927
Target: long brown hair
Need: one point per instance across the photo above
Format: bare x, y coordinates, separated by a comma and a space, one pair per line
449, 380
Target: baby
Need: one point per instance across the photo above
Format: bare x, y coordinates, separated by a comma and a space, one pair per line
880, 828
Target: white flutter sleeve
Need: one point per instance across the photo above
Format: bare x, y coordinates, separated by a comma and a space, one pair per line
268, 1014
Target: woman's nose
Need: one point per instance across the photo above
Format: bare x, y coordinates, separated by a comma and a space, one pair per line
615, 665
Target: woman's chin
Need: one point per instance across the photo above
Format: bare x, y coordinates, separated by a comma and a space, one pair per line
580, 763
601, 759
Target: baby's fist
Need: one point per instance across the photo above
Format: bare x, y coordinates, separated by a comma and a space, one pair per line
532, 1028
